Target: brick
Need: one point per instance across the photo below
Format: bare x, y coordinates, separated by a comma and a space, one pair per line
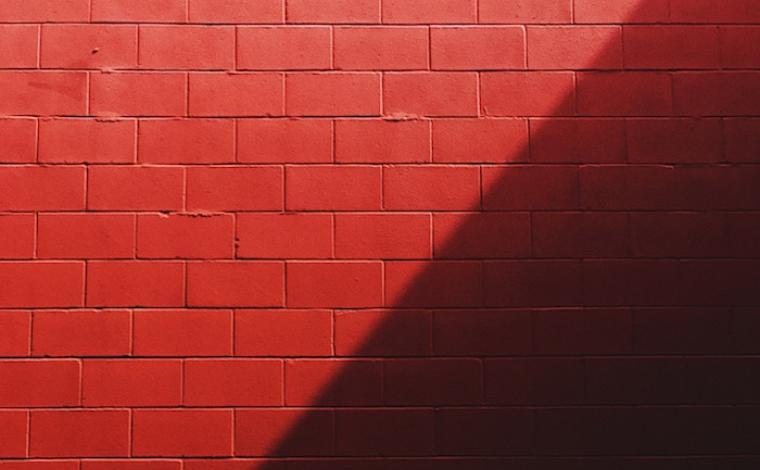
259, 432
142, 11
430, 11
135, 188
183, 333
716, 283
16, 325
418, 382
737, 46
494, 235
284, 141
18, 138
582, 331
479, 48
336, 11
39, 383
13, 431
337, 188
79, 433
18, 236
631, 282
682, 47
187, 47
396, 431
234, 188
135, 284
426, 188
309, 236
182, 433
322, 382
480, 140
383, 333
716, 93
137, 94
578, 140
532, 283
525, 11
235, 11
132, 382
84, 46
334, 284
43, 93
185, 236
682, 331
371, 236
187, 141
28, 284
382, 141
387, 48
575, 47
624, 94
332, 94
526, 187
745, 325
85, 235
623, 11
674, 140
45, 10
283, 333
235, 94
468, 431
430, 94
679, 235
86, 141
42, 188
527, 93
702, 11
131, 464
743, 229
81, 333
587, 430
433, 284
18, 46
235, 284
233, 382
283, 48
580, 235
742, 139
545, 381
41, 465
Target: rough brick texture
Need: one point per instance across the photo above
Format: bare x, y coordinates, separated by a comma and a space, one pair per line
379, 234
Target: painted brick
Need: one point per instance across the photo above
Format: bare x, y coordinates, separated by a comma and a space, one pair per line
183, 333
260, 236
480, 48
233, 382
43, 93
32, 383
371, 236
192, 47
235, 284
135, 284
84, 433
88, 46
85, 235
18, 138
234, 188
284, 48
575, 47
18, 46
138, 11
525, 11
81, 333
188, 141
284, 141
438, 187
23, 286
332, 94
135, 188
235, 94
86, 141
180, 235
18, 239
386, 141
334, 284
235, 11
480, 140
16, 325
337, 188
131, 382
387, 48
430, 11
137, 94
283, 333
182, 433
336, 11
430, 94
527, 93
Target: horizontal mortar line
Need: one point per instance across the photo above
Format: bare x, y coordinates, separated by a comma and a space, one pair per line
433, 356
340, 24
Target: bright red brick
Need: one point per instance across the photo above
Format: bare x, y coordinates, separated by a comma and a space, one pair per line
527, 93
186, 141
45, 10
18, 236
322, 382
674, 141
86, 141
382, 141
580, 235
235, 284
85, 235
575, 47
448, 382
81, 333
283, 48
183, 333
13, 431
42, 188
624, 94
39, 383
334, 284
235, 11
621, 11
79, 433
141, 464
391, 236
387, 48
283, 333
430, 11
678, 47
577, 140
261, 236
234, 188
144, 11
18, 46
135, 188
393, 430
716, 93
43, 93
29, 284
430, 94
16, 325
383, 333
332, 94
233, 382
525, 11
259, 432
738, 46
137, 94
18, 139
480, 140
284, 141
182, 433
529, 283
41, 465
335, 11
482, 332
135, 284
490, 235
479, 48
191, 47
742, 137
336, 187
530, 187
235, 94
88, 46
431, 187
185, 236
433, 284
133, 382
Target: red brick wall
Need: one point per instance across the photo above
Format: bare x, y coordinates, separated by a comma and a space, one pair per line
379, 234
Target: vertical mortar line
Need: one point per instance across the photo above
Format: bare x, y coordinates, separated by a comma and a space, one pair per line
89, 11
187, 11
